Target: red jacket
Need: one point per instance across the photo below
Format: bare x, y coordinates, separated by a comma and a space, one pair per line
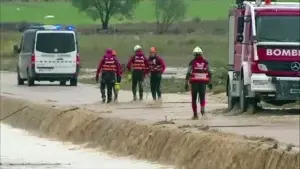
199, 71
156, 64
119, 65
109, 60
138, 62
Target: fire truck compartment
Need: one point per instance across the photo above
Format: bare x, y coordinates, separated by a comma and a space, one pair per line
279, 88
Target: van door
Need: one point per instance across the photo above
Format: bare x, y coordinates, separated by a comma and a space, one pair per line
20, 67
26, 52
55, 52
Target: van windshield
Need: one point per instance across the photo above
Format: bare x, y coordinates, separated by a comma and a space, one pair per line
278, 28
55, 42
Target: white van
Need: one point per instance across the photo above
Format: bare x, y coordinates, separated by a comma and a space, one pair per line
48, 53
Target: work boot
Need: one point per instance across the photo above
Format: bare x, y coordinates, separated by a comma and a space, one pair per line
109, 100
141, 97
159, 100
202, 111
134, 98
195, 117
116, 98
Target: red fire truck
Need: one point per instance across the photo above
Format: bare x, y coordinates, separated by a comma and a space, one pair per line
264, 54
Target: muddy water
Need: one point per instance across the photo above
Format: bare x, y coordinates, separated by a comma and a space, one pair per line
283, 127
19, 150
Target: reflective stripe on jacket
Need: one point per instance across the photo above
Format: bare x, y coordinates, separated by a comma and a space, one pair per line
156, 64
199, 72
109, 64
139, 63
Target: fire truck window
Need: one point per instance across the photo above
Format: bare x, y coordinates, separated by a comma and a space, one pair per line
278, 28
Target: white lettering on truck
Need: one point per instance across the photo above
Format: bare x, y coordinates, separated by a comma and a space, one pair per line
283, 52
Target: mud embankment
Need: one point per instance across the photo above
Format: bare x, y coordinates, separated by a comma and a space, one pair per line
205, 150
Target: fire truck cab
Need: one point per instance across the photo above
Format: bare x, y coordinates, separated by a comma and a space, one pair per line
264, 54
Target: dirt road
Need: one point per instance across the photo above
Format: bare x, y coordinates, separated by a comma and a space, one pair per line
175, 110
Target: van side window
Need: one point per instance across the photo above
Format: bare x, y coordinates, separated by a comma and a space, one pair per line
28, 42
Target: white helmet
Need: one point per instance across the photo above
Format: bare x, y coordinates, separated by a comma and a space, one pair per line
137, 47
198, 50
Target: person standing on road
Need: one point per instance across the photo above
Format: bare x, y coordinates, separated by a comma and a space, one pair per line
137, 67
110, 73
157, 67
198, 76
116, 88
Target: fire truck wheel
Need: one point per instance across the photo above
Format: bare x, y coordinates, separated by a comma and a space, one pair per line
231, 101
252, 105
243, 99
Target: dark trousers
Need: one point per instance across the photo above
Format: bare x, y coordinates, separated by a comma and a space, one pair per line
137, 80
155, 80
103, 91
107, 82
109, 87
198, 90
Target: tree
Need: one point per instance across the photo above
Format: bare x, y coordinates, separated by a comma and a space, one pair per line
105, 9
167, 12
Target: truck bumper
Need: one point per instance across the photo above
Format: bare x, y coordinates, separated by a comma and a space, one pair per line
280, 88
54, 76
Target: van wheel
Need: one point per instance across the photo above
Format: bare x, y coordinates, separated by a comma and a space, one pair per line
73, 82
243, 99
252, 106
30, 80
62, 83
20, 80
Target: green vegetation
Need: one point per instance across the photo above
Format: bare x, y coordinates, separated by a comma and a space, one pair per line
175, 52
65, 13
176, 48
168, 85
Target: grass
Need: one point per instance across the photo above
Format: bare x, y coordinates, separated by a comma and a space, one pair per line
175, 49
65, 13
168, 85
175, 52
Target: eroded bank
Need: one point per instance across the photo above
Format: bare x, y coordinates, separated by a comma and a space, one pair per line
206, 149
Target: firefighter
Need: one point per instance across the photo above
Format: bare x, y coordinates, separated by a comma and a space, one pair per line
198, 76
137, 67
118, 81
157, 67
110, 74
